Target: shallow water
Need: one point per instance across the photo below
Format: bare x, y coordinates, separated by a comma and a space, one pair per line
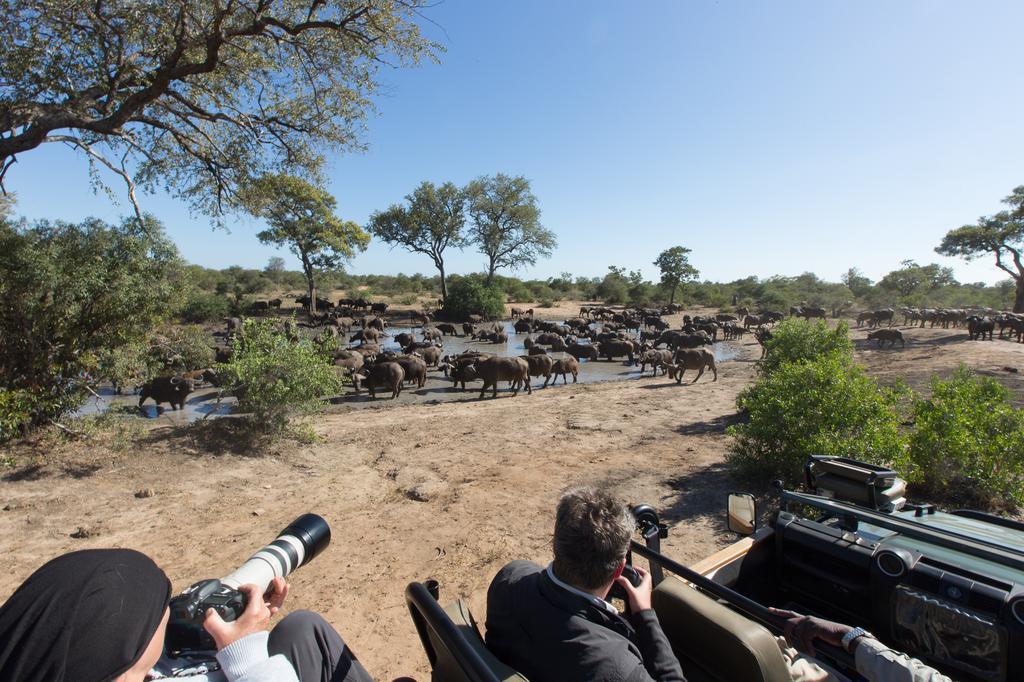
202, 403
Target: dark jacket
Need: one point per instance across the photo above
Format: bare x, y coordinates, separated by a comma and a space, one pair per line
548, 633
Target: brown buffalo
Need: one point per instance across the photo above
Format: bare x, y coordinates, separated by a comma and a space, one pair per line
564, 366
386, 374
694, 358
495, 369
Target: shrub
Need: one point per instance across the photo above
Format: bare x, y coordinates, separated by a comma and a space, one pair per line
546, 303
125, 366
968, 442
16, 411
469, 296
275, 378
825, 406
796, 340
180, 350
78, 290
201, 306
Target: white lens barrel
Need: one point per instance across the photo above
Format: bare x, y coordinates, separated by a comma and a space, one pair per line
275, 560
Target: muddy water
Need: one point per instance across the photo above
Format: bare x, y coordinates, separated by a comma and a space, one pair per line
200, 404
203, 404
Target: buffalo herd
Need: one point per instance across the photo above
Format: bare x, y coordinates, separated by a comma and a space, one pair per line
636, 336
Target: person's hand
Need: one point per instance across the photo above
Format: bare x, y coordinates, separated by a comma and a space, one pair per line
801, 631
640, 596
256, 617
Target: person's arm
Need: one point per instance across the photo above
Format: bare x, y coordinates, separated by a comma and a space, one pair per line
874, 660
659, 661
242, 643
879, 663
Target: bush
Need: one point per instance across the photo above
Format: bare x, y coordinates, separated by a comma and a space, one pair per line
825, 406
79, 291
201, 306
126, 366
180, 350
968, 443
275, 378
796, 340
469, 296
16, 409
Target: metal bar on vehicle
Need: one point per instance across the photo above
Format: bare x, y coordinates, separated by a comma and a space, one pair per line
741, 602
1007, 556
428, 616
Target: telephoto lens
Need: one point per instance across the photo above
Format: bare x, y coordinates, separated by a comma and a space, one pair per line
295, 546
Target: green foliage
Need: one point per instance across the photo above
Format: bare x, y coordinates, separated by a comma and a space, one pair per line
275, 378
301, 217
799, 341
433, 220
675, 267
78, 290
125, 366
823, 406
17, 411
201, 306
911, 284
614, 288
505, 223
199, 97
180, 349
968, 443
470, 296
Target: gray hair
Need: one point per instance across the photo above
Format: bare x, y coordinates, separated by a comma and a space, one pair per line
592, 532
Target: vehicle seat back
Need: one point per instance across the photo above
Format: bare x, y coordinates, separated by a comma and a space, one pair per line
713, 638
460, 614
452, 641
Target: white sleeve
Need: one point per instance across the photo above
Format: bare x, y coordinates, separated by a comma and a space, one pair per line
247, 660
879, 663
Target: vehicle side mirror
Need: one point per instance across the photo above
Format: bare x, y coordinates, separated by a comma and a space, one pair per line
742, 516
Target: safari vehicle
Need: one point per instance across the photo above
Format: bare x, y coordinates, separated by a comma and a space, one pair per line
945, 587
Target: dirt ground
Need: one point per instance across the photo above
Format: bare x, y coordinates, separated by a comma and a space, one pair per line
449, 491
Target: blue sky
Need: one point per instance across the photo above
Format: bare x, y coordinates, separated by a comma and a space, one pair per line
769, 137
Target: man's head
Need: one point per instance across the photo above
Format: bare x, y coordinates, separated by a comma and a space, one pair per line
592, 532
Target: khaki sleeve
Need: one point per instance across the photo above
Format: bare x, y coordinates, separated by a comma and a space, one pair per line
879, 663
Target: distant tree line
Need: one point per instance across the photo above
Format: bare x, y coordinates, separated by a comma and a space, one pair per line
910, 285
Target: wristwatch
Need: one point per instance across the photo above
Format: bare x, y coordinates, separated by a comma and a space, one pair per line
852, 635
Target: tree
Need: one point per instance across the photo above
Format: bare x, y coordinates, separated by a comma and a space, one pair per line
432, 221
72, 292
1001, 235
506, 223
275, 266
855, 280
301, 217
914, 282
675, 269
197, 96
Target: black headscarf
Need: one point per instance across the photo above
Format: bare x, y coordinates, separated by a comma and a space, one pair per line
83, 617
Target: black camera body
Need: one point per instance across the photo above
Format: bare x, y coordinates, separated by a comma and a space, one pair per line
185, 630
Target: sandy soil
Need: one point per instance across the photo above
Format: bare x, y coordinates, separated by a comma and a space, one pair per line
450, 491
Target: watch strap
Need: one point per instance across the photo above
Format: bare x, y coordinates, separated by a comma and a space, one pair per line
853, 634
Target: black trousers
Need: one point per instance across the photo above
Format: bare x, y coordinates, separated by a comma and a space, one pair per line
315, 650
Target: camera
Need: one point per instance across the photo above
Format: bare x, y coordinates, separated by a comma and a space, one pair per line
295, 546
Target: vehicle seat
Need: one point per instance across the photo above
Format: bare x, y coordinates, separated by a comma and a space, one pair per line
460, 614
714, 642
452, 641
